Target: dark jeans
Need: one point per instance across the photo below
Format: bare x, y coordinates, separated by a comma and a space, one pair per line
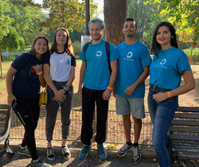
161, 114
89, 97
27, 110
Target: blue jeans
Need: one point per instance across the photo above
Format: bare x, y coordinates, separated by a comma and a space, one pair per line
161, 114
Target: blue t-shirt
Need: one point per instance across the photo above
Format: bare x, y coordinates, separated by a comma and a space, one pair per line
131, 60
26, 81
97, 73
166, 68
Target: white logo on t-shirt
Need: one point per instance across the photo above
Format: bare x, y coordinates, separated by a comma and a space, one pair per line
99, 53
129, 55
163, 61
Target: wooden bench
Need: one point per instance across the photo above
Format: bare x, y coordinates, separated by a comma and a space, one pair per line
183, 134
5, 125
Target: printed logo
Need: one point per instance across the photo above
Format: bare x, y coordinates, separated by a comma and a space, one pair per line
32, 73
99, 53
67, 61
129, 55
163, 61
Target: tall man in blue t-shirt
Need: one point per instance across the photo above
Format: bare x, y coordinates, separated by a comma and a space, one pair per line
133, 68
97, 87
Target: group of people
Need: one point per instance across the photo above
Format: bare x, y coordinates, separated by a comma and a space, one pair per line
105, 69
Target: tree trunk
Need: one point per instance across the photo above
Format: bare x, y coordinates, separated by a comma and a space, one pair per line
115, 13
0, 64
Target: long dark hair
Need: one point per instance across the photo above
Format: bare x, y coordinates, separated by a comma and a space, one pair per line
67, 47
155, 45
32, 50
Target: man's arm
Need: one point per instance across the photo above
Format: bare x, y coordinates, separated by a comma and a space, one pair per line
129, 90
107, 92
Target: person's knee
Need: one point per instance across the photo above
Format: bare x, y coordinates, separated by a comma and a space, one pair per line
126, 118
157, 143
137, 121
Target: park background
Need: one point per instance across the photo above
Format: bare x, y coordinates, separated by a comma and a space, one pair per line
22, 20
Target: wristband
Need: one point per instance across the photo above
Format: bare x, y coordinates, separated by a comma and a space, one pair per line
10, 95
169, 94
39, 72
66, 88
109, 88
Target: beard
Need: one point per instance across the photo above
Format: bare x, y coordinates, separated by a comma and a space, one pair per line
130, 35
97, 38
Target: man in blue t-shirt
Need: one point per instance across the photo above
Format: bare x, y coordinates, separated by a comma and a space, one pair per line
133, 68
97, 83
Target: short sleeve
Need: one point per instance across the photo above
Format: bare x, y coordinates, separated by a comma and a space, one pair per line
146, 58
113, 53
82, 55
183, 63
46, 58
21, 61
73, 60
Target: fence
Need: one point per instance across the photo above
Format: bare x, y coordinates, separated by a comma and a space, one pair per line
115, 130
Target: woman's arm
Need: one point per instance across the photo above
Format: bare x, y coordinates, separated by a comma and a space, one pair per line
61, 92
9, 82
48, 79
189, 85
38, 69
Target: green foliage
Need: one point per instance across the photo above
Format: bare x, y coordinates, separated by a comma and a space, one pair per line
77, 47
147, 17
184, 13
5, 21
76, 36
2, 84
67, 13
195, 54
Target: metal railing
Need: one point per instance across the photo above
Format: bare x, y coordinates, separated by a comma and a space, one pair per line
115, 130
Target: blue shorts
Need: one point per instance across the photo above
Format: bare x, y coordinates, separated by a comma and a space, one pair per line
129, 105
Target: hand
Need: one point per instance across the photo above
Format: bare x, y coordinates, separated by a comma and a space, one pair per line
10, 100
129, 90
107, 94
160, 97
80, 92
37, 68
60, 94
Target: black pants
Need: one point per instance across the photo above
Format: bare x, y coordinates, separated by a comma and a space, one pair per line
27, 110
89, 97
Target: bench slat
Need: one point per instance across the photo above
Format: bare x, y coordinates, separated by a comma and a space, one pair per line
186, 115
183, 129
185, 122
188, 109
184, 137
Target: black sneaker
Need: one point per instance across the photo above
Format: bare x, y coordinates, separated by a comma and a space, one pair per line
50, 154
66, 153
122, 152
136, 154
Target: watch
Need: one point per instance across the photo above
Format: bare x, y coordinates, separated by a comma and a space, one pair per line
65, 88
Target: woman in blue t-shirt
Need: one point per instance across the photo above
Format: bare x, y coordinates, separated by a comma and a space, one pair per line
25, 90
168, 66
59, 73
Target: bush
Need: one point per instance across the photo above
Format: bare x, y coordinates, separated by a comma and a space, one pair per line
195, 54
77, 48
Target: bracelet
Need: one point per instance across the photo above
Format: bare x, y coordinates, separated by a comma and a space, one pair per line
109, 88
10, 95
65, 88
169, 94
39, 72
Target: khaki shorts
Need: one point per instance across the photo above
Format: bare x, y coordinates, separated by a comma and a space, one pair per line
128, 105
